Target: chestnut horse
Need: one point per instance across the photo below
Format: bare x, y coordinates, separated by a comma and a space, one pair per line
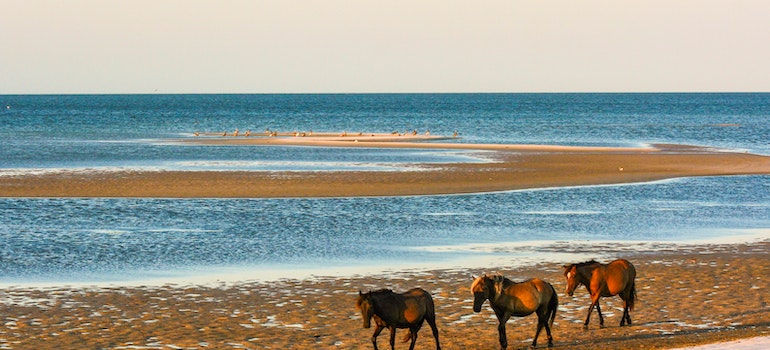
391, 310
509, 298
604, 280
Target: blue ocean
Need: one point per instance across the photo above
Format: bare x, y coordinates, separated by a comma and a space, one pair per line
128, 240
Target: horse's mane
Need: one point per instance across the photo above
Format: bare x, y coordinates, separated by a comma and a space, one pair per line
496, 277
381, 291
585, 263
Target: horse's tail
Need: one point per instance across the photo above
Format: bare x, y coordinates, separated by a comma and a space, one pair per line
407, 336
553, 304
632, 296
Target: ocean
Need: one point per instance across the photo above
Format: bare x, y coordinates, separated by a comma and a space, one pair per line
161, 240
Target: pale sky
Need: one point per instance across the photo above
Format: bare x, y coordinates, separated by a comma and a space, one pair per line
285, 46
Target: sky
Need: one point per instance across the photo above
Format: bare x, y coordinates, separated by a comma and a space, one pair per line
361, 46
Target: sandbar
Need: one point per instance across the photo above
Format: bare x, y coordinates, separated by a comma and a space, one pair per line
512, 167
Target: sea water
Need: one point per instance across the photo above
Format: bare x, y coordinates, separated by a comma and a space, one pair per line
125, 240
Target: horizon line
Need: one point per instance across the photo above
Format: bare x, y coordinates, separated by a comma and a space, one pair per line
380, 93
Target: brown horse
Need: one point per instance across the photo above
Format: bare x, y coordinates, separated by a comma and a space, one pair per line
509, 298
604, 280
391, 310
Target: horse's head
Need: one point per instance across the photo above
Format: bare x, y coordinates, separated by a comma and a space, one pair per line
483, 288
570, 273
364, 304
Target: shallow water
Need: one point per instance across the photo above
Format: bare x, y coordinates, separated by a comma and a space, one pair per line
96, 239
63, 240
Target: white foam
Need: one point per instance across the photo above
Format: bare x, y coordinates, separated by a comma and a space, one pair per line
268, 166
568, 212
727, 236
108, 231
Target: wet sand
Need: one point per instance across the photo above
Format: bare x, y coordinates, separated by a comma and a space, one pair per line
513, 167
686, 296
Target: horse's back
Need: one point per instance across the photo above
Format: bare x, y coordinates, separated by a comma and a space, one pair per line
540, 285
532, 285
530, 294
619, 275
622, 266
419, 303
419, 294
416, 293
621, 263
547, 291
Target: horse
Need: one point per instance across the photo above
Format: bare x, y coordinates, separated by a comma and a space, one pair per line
604, 280
509, 298
392, 310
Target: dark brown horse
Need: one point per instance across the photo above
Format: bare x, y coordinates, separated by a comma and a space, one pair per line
391, 310
604, 280
509, 298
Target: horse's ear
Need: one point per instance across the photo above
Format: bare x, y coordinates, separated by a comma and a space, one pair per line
359, 293
473, 277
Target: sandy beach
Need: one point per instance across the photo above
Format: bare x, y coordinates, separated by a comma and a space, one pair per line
687, 295
512, 167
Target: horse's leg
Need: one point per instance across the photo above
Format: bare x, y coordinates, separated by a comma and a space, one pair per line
626, 315
501, 330
392, 337
548, 332
550, 315
622, 296
542, 319
377, 332
594, 304
432, 324
414, 331
599, 310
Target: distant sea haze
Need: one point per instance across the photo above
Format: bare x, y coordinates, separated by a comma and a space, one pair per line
59, 240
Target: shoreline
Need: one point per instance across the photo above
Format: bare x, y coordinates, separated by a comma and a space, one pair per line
687, 296
513, 167
513, 255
